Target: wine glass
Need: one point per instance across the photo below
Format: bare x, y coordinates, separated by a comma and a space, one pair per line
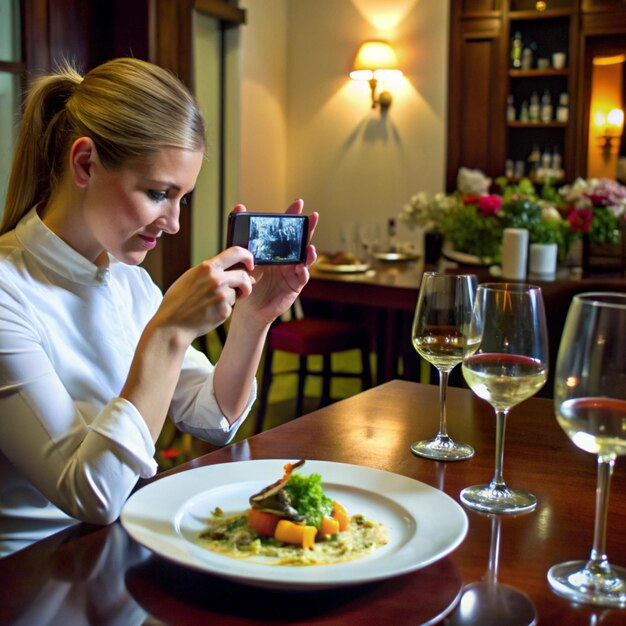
590, 406
440, 329
506, 362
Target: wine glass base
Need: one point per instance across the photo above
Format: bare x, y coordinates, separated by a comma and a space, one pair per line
439, 449
498, 499
574, 581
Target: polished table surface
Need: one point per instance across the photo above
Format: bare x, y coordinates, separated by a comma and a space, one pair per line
90, 575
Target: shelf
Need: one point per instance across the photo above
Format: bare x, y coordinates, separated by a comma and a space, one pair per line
538, 73
541, 15
537, 125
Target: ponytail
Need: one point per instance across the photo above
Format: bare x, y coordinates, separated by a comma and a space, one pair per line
128, 107
37, 163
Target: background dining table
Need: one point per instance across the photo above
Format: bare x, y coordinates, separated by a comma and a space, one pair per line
99, 575
385, 296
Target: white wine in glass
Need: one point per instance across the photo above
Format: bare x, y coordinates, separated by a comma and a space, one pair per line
590, 406
440, 334
506, 362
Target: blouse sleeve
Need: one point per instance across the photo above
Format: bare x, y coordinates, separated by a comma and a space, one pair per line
194, 407
87, 468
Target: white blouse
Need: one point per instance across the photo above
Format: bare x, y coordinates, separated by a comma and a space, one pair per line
70, 447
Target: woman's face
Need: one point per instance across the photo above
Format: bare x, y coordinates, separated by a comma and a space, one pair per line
125, 211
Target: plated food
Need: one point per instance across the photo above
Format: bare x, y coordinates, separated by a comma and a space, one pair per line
168, 515
293, 522
340, 262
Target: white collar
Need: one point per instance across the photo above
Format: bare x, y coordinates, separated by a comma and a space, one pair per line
53, 252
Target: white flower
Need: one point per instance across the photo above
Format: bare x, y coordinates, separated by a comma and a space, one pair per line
549, 213
470, 182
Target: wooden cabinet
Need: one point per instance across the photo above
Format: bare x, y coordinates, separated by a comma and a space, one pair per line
483, 84
539, 133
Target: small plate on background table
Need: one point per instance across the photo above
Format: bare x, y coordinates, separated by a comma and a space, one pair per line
424, 524
464, 258
395, 257
342, 268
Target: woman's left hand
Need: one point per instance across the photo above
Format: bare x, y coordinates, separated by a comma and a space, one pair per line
277, 286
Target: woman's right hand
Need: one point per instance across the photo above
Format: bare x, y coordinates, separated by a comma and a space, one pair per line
204, 296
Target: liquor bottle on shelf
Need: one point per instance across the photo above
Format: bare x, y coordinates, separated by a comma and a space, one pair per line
392, 243
546, 159
534, 109
510, 109
527, 58
534, 161
557, 163
546, 107
523, 115
509, 168
562, 110
516, 51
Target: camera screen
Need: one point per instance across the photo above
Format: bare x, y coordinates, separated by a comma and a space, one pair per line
276, 239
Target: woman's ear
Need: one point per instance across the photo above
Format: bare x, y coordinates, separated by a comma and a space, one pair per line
83, 155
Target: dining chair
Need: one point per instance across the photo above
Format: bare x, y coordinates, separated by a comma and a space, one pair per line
310, 336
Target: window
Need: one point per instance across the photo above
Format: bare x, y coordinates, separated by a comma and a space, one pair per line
11, 68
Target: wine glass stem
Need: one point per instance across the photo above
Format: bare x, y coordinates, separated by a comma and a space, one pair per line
443, 390
598, 561
498, 481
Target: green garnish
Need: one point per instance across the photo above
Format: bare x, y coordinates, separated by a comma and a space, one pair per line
308, 498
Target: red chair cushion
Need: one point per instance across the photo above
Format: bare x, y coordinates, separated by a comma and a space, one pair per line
316, 336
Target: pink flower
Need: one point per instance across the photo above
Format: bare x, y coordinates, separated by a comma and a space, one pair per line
489, 205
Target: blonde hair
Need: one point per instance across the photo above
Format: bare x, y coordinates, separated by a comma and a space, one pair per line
128, 107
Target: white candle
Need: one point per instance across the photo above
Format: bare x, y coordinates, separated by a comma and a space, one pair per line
514, 253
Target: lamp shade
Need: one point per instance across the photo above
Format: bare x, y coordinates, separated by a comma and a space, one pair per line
375, 59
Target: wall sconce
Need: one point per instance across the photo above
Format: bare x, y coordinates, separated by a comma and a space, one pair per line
376, 60
612, 126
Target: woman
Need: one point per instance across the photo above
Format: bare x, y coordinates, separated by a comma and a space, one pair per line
92, 356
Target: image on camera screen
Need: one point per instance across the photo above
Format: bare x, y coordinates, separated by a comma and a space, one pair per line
275, 239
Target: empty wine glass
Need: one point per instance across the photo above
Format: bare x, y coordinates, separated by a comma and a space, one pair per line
440, 330
590, 406
506, 362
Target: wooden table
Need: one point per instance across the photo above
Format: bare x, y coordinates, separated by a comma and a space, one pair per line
390, 291
102, 573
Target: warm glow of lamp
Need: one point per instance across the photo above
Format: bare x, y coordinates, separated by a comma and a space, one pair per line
615, 118
611, 126
376, 60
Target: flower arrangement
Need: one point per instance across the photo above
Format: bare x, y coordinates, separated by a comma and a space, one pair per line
595, 208
472, 219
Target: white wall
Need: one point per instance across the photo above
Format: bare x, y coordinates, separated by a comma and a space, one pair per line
308, 130
263, 105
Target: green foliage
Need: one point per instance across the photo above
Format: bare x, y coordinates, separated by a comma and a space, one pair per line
521, 214
524, 189
605, 226
308, 498
472, 232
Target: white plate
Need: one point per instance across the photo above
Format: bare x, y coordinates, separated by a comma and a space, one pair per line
342, 268
395, 257
424, 524
463, 257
